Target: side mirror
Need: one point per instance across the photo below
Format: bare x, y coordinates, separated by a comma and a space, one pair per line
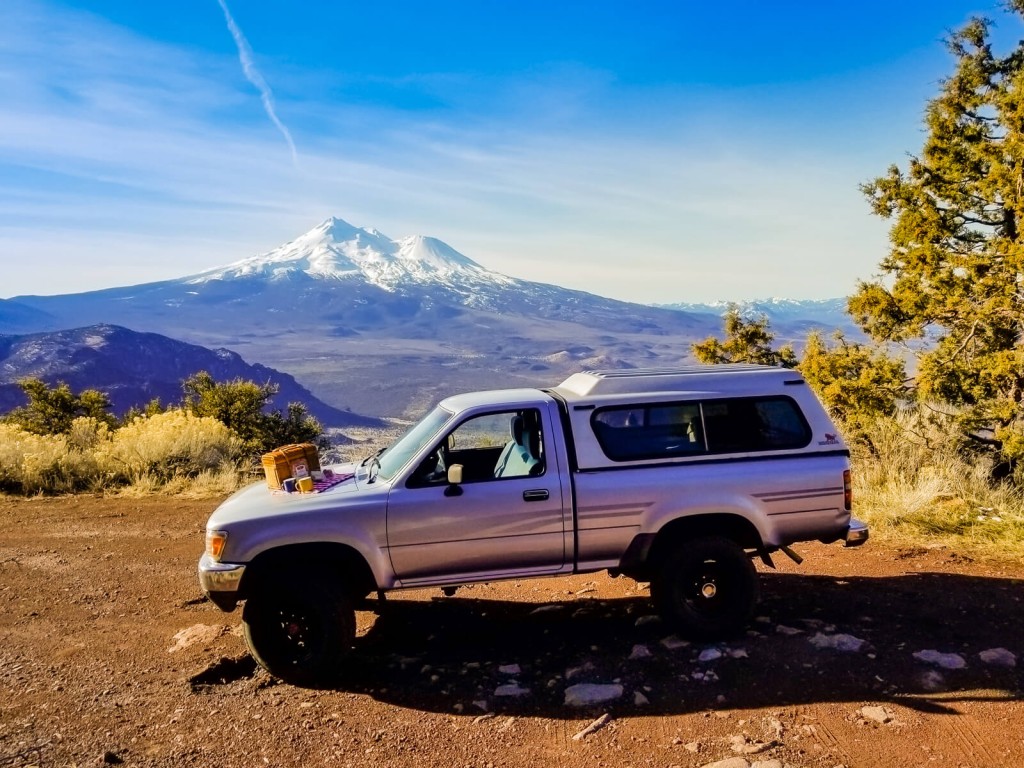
454, 481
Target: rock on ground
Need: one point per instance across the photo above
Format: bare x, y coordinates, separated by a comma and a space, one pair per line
782, 629
729, 762
511, 689
998, 657
876, 714
197, 634
585, 694
840, 642
673, 643
640, 652
944, 660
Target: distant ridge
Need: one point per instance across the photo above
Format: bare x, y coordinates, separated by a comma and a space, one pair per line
786, 315
15, 317
133, 368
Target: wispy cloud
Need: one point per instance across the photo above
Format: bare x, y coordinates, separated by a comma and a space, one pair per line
124, 160
245, 56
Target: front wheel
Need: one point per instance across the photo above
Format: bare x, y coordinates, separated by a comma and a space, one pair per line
299, 633
706, 588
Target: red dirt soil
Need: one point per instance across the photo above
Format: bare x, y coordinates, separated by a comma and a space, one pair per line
109, 654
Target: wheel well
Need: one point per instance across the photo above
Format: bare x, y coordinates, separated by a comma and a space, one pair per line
334, 561
727, 526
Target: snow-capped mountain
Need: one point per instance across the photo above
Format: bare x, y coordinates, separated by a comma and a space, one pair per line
336, 250
338, 279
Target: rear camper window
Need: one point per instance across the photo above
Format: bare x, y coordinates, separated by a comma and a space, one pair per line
738, 425
754, 424
649, 432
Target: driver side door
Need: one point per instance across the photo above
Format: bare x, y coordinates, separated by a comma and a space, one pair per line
487, 525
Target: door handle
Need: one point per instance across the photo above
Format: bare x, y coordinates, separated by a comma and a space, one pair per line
538, 495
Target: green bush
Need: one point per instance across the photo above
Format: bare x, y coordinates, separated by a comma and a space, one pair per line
241, 406
51, 411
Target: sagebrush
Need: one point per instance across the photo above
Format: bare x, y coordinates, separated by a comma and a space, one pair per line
156, 452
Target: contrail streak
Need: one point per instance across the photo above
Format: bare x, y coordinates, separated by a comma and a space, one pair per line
253, 76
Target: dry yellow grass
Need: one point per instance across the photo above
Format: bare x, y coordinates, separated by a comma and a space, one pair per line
917, 487
167, 452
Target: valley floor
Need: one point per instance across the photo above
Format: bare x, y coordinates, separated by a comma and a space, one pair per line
109, 654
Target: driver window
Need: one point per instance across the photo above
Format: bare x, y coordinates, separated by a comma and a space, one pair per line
491, 446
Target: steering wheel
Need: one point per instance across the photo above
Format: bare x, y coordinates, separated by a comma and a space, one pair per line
438, 466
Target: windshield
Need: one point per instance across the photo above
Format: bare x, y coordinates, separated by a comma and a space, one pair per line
398, 454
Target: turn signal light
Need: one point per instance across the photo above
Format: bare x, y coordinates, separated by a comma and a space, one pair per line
215, 542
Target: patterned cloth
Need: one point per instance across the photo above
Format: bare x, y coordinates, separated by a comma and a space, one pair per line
330, 482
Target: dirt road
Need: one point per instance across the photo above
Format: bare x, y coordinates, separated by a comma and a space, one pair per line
108, 655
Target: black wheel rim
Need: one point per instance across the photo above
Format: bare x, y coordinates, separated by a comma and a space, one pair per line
293, 632
707, 589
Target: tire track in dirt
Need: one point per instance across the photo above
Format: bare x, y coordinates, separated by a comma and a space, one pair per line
970, 743
835, 747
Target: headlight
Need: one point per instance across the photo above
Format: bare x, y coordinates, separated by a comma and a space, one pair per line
215, 543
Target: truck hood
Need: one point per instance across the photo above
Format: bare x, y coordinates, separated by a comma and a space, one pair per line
257, 501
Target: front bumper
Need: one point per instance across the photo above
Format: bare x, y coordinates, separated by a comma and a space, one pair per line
857, 533
220, 581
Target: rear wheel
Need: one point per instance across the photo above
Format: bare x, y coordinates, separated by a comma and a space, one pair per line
299, 633
706, 588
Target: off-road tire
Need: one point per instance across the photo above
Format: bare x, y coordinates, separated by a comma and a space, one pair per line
705, 588
300, 634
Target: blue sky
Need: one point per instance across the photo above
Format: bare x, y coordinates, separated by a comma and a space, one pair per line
649, 151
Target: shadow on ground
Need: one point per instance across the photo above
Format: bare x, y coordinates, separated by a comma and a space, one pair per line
448, 653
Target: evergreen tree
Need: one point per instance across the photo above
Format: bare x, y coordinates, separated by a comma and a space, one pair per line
857, 383
241, 406
51, 411
954, 276
746, 341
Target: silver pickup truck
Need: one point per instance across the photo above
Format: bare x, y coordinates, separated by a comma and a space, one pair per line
677, 477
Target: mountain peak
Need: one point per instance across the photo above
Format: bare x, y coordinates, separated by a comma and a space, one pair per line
337, 250
341, 231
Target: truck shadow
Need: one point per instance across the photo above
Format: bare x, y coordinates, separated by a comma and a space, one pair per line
475, 655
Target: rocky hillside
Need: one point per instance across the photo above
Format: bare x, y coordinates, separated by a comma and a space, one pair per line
133, 368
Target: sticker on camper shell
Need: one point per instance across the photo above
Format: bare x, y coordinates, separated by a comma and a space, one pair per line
829, 440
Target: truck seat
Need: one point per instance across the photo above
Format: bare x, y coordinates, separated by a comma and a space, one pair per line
518, 457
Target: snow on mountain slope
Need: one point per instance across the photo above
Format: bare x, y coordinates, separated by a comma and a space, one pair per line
336, 250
